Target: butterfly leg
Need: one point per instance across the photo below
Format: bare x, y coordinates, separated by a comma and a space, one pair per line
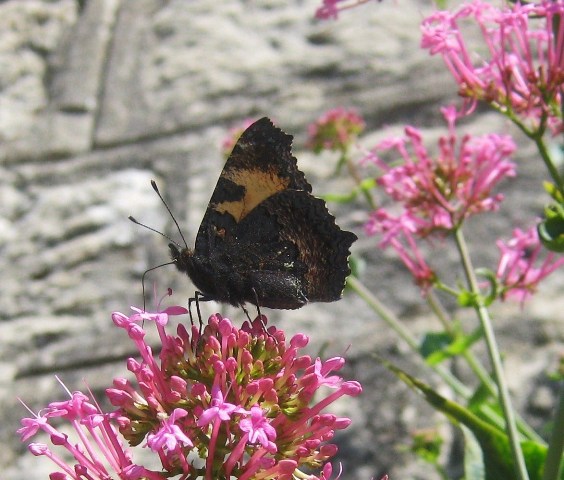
257, 304
198, 296
246, 312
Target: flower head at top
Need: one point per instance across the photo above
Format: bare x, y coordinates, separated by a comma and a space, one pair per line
229, 402
335, 130
521, 68
437, 193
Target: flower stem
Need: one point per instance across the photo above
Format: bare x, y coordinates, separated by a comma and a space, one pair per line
394, 323
537, 137
458, 387
495, 359
549, 164
477, 367
353, 172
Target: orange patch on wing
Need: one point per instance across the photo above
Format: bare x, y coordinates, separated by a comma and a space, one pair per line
258, 185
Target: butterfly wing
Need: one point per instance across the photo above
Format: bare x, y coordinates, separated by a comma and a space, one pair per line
260, 165
264, 238
313, 249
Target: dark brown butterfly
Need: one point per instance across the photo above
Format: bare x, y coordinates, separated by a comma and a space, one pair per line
265, 239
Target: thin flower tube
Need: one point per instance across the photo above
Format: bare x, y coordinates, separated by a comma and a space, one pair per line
99, 452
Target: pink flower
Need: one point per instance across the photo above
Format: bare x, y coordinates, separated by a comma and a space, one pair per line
99, 454
399, 233
240, 399
434, 195
335, 130
225, 402
520, 268
331, 8
219, 409
259, 429
438, 194
524, 71
169, 437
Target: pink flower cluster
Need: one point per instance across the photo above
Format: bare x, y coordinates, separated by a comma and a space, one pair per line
229, 403
99, 453
335, 130
436, 194
218, 404
521, 268
523, 73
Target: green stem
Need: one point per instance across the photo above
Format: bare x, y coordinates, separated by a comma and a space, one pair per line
495, 359
537, 137
476, 366
553, 464
545, 155
353, 172
473, 362
458, 387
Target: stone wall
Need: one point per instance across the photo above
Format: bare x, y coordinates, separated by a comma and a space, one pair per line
97, 97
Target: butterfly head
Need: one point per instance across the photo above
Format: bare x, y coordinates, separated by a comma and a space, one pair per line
180, 256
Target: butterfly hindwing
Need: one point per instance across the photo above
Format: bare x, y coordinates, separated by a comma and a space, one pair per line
322, 247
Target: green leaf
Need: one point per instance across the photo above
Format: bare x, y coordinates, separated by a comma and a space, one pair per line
497, 458
473, 458
480, 397
365, 185
551, 229
427, 445
434, 345
340, 197
438, 347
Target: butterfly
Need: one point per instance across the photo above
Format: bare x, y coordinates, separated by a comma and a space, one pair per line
265, 239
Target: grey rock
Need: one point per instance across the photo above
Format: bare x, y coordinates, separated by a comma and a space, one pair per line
97, 98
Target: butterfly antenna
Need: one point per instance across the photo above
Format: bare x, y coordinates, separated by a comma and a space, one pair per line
154, 230
156, 189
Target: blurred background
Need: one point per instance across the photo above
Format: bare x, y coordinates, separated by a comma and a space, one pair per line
98, 97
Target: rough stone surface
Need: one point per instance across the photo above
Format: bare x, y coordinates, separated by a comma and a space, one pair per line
99, 97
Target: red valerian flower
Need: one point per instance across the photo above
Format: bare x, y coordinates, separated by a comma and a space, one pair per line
242, 400
223, 403
521, 268
523, 71
436, 194
335, 130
